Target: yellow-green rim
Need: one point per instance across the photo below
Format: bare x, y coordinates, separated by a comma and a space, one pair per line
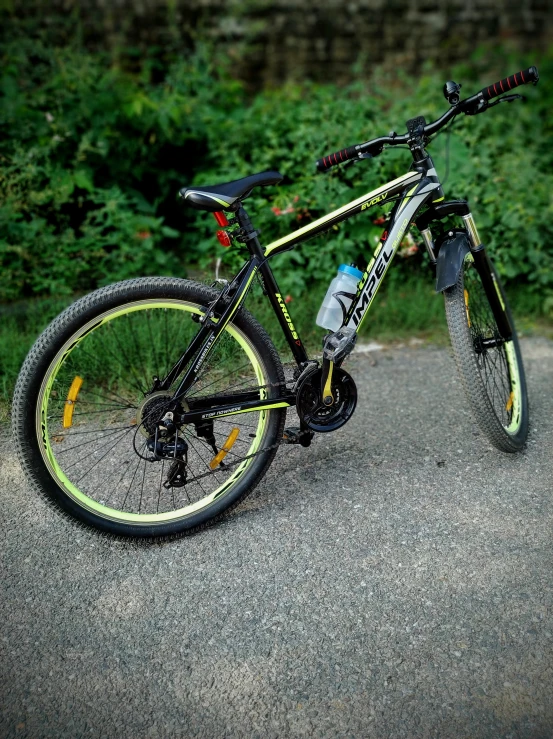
47, 452
514, 375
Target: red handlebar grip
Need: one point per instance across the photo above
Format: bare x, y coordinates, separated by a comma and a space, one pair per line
519, 78
339, 156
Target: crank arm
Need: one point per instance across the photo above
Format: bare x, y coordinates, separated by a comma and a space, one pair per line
326, 382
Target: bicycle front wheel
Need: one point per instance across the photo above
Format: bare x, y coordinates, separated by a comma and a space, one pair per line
490, 368
84, 415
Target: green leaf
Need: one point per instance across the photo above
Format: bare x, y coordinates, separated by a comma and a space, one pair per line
83, 180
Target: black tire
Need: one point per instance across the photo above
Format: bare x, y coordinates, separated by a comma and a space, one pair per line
112, 342
492, 376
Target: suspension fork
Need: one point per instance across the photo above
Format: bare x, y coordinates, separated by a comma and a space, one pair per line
484, 268
480, 256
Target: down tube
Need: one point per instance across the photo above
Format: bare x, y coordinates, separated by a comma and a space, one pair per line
404, 214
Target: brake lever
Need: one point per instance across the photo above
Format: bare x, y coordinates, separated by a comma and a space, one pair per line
351, 162
507, 99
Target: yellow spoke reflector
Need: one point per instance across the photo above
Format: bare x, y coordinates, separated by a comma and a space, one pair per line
70, 402
467, 305
511, 400
227, 446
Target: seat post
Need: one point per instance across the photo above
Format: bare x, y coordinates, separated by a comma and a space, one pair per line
249, 234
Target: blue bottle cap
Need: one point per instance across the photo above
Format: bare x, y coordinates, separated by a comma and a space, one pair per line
350, 271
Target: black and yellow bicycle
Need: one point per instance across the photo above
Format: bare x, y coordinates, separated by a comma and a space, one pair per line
151, 407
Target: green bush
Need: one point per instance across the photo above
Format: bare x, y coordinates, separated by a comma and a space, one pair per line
500, 162
90, 164
93, 156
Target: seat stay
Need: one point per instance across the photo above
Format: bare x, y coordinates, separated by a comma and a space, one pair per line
211, 326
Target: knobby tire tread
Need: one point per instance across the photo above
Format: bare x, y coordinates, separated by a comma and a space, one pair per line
69, 321
473, 385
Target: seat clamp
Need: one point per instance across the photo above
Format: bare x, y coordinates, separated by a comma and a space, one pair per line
244, 237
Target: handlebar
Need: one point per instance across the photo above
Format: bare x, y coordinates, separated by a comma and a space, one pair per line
524, 77
339, 156
475, 104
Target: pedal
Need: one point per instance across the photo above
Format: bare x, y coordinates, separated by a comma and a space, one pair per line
338, 345
296, 435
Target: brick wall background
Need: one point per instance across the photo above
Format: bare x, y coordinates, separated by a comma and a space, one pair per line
322, 40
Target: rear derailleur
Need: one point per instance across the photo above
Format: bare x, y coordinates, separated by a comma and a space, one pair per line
174, 448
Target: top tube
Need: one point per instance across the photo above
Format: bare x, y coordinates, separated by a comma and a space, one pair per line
378, 196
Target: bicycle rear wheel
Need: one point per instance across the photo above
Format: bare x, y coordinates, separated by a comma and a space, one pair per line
83, 411
490, 368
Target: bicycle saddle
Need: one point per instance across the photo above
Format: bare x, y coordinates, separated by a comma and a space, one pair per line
227, 195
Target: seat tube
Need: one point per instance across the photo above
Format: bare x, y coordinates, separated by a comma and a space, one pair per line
271, 288
248, 234
281, 311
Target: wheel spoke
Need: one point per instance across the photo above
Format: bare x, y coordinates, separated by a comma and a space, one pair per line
88, 442
97, 462
108, 454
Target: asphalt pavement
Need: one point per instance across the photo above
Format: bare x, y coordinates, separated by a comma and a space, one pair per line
393, 580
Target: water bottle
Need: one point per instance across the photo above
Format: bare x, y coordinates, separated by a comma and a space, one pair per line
338, 298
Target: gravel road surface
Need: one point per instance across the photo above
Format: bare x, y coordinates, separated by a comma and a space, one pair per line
394, 580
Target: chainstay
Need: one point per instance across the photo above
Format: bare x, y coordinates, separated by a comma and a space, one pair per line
264, 450
248, 456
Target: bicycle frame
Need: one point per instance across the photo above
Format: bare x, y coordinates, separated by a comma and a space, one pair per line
412, 191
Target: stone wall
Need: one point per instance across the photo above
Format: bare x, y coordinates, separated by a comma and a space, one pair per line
297, 39
324, 43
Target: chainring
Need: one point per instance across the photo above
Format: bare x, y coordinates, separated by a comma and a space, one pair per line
311, 409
